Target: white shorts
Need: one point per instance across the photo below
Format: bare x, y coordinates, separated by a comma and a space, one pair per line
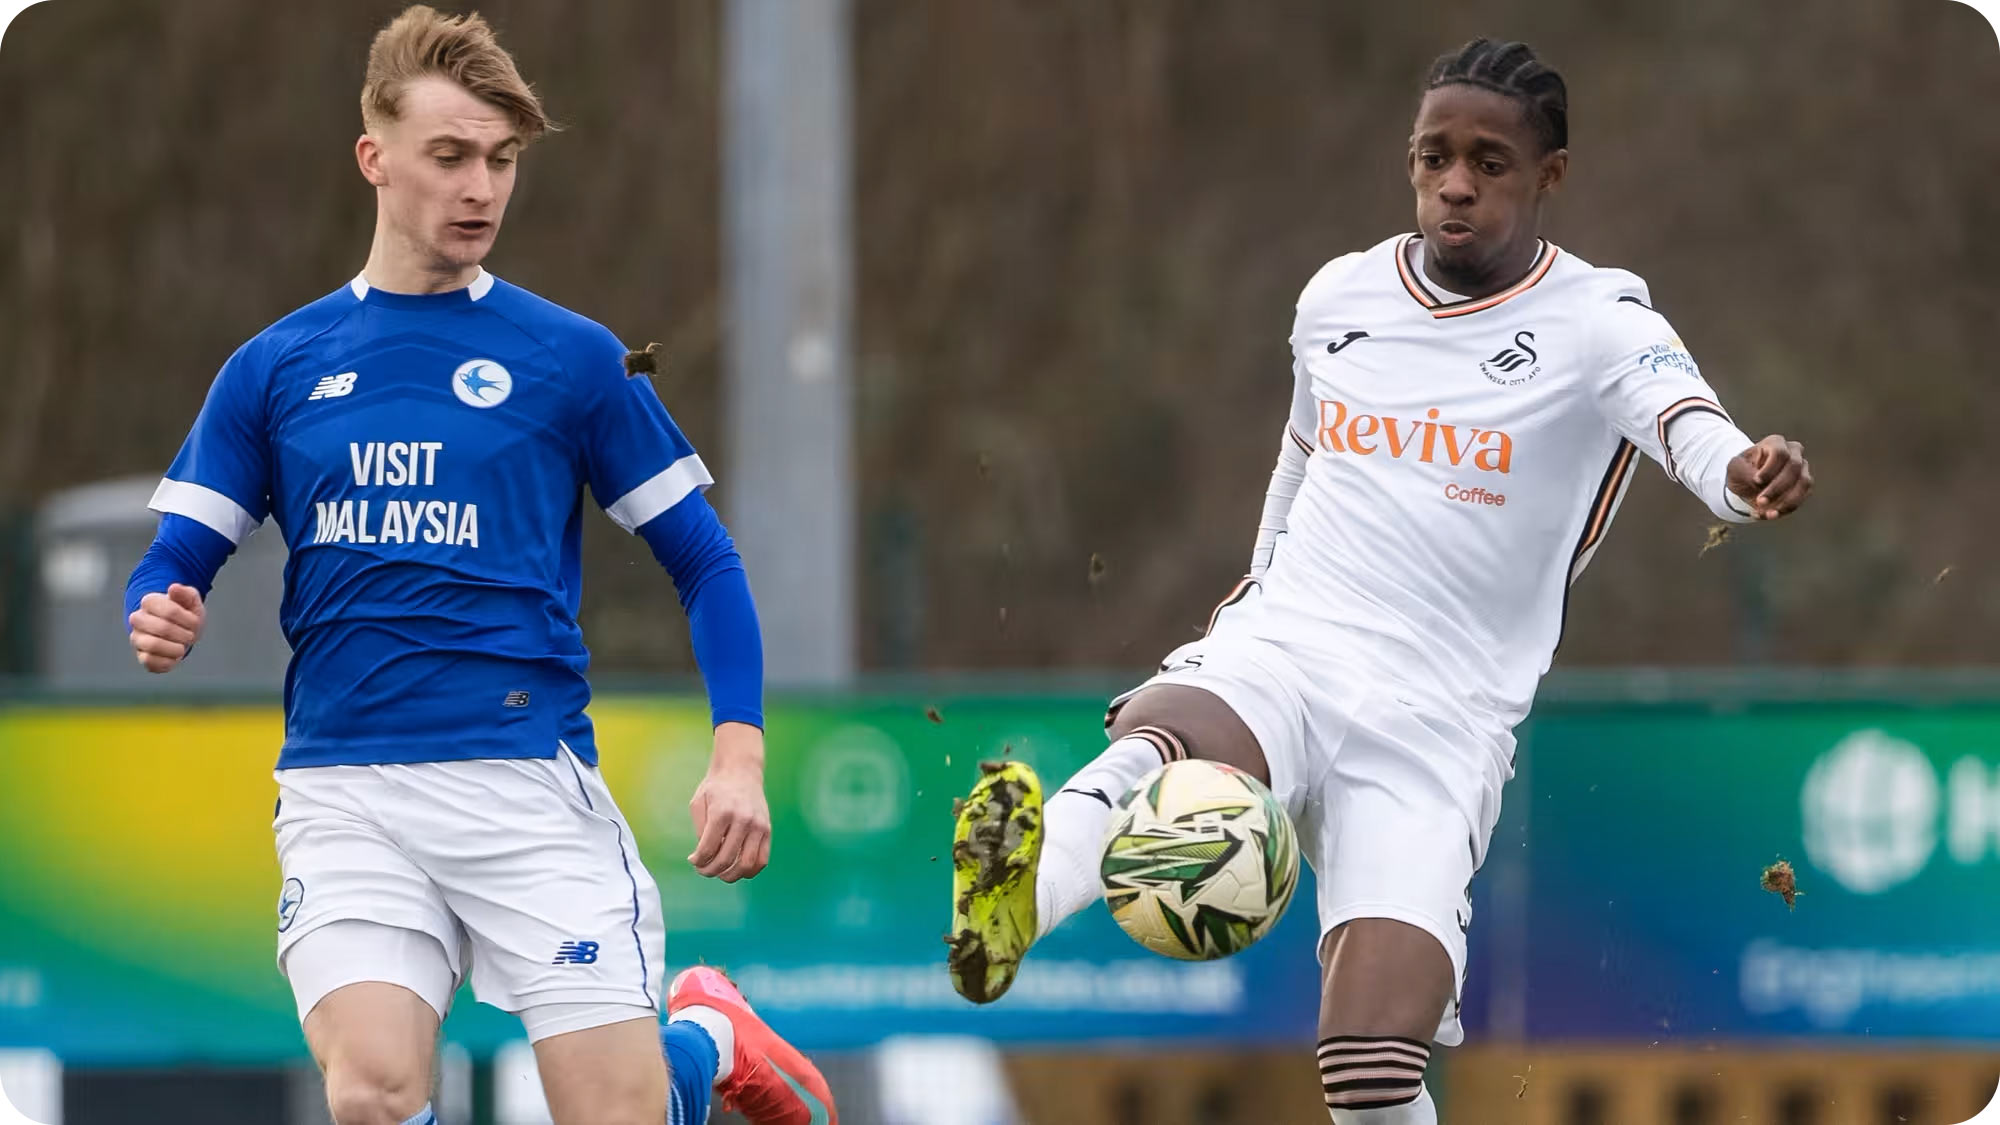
521, 871
1394, 802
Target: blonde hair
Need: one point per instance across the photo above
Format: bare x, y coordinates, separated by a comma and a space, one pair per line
423, 42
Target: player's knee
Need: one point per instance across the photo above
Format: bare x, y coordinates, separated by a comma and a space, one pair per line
1372, 1079
358, 1096
1184, 722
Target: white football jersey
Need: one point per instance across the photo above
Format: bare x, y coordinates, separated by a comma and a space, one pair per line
1466, 458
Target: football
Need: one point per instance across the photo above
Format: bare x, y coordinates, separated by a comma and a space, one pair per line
1200, 861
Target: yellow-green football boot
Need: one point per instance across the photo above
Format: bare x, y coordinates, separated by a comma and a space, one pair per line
994, 853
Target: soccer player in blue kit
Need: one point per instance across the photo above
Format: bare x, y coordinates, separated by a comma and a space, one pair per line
422, 437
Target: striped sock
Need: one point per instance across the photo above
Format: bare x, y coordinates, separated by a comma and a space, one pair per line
1423, 1111
691, 1063
424, 1117
1075, 817
1376, 1080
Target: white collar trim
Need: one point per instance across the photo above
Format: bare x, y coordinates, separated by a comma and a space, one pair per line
480, 287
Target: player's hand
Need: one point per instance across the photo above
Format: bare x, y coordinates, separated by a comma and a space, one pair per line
731, 818
1772, 477
165, 626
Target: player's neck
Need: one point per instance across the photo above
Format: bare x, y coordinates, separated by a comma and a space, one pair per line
1510, 268
395, 267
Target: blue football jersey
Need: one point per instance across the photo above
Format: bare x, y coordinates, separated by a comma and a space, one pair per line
425, 458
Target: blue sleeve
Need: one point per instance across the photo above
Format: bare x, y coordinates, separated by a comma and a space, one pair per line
185, 551
222, 476
697, 552
637, 462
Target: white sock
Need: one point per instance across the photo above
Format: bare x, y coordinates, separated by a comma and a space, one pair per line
1423, 1111
719, 1029
1075, 818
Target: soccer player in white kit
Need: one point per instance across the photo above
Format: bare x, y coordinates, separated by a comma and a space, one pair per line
423, 437
1469, 403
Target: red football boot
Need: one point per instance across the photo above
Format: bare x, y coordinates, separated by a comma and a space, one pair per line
770, 1082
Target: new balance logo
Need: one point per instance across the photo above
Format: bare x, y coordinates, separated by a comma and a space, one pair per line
334, 386
576, 953
1333, 346
516, 699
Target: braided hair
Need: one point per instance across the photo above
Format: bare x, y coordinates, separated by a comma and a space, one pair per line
1513, 70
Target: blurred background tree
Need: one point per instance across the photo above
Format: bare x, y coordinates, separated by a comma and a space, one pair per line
1080, 230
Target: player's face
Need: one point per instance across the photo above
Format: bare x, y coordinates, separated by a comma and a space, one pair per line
446, 170
1480, 177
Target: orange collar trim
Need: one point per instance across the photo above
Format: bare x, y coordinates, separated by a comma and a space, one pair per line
1443, 310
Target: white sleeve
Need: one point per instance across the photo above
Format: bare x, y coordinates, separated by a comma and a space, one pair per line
1302, 428
1289, 474
1650, 390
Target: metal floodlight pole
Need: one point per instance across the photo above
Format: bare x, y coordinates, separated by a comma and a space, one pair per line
789, 492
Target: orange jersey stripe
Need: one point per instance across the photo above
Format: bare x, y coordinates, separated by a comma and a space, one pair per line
1241, 591
1607, 495
1443, 311
1535, 275
1690, 405
1410, 282
1600, 518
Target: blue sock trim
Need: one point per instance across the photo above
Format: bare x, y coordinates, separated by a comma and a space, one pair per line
691, 1064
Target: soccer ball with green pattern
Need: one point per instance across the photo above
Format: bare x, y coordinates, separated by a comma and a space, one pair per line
1200, 861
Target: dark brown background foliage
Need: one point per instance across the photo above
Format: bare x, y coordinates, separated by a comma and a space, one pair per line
1080, 229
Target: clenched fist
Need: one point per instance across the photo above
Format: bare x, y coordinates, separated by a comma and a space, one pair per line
165, 626
1772, 477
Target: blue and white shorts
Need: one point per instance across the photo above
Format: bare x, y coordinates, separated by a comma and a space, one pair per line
521, 873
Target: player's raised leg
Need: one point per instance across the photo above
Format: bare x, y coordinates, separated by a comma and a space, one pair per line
1385, 982
1158, 724
1020, 864
995, 852
757, 1073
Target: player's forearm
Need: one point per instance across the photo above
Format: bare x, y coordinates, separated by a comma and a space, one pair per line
697, 553
184, 551
729, 646
1286, 478
1703, 444
738, 747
